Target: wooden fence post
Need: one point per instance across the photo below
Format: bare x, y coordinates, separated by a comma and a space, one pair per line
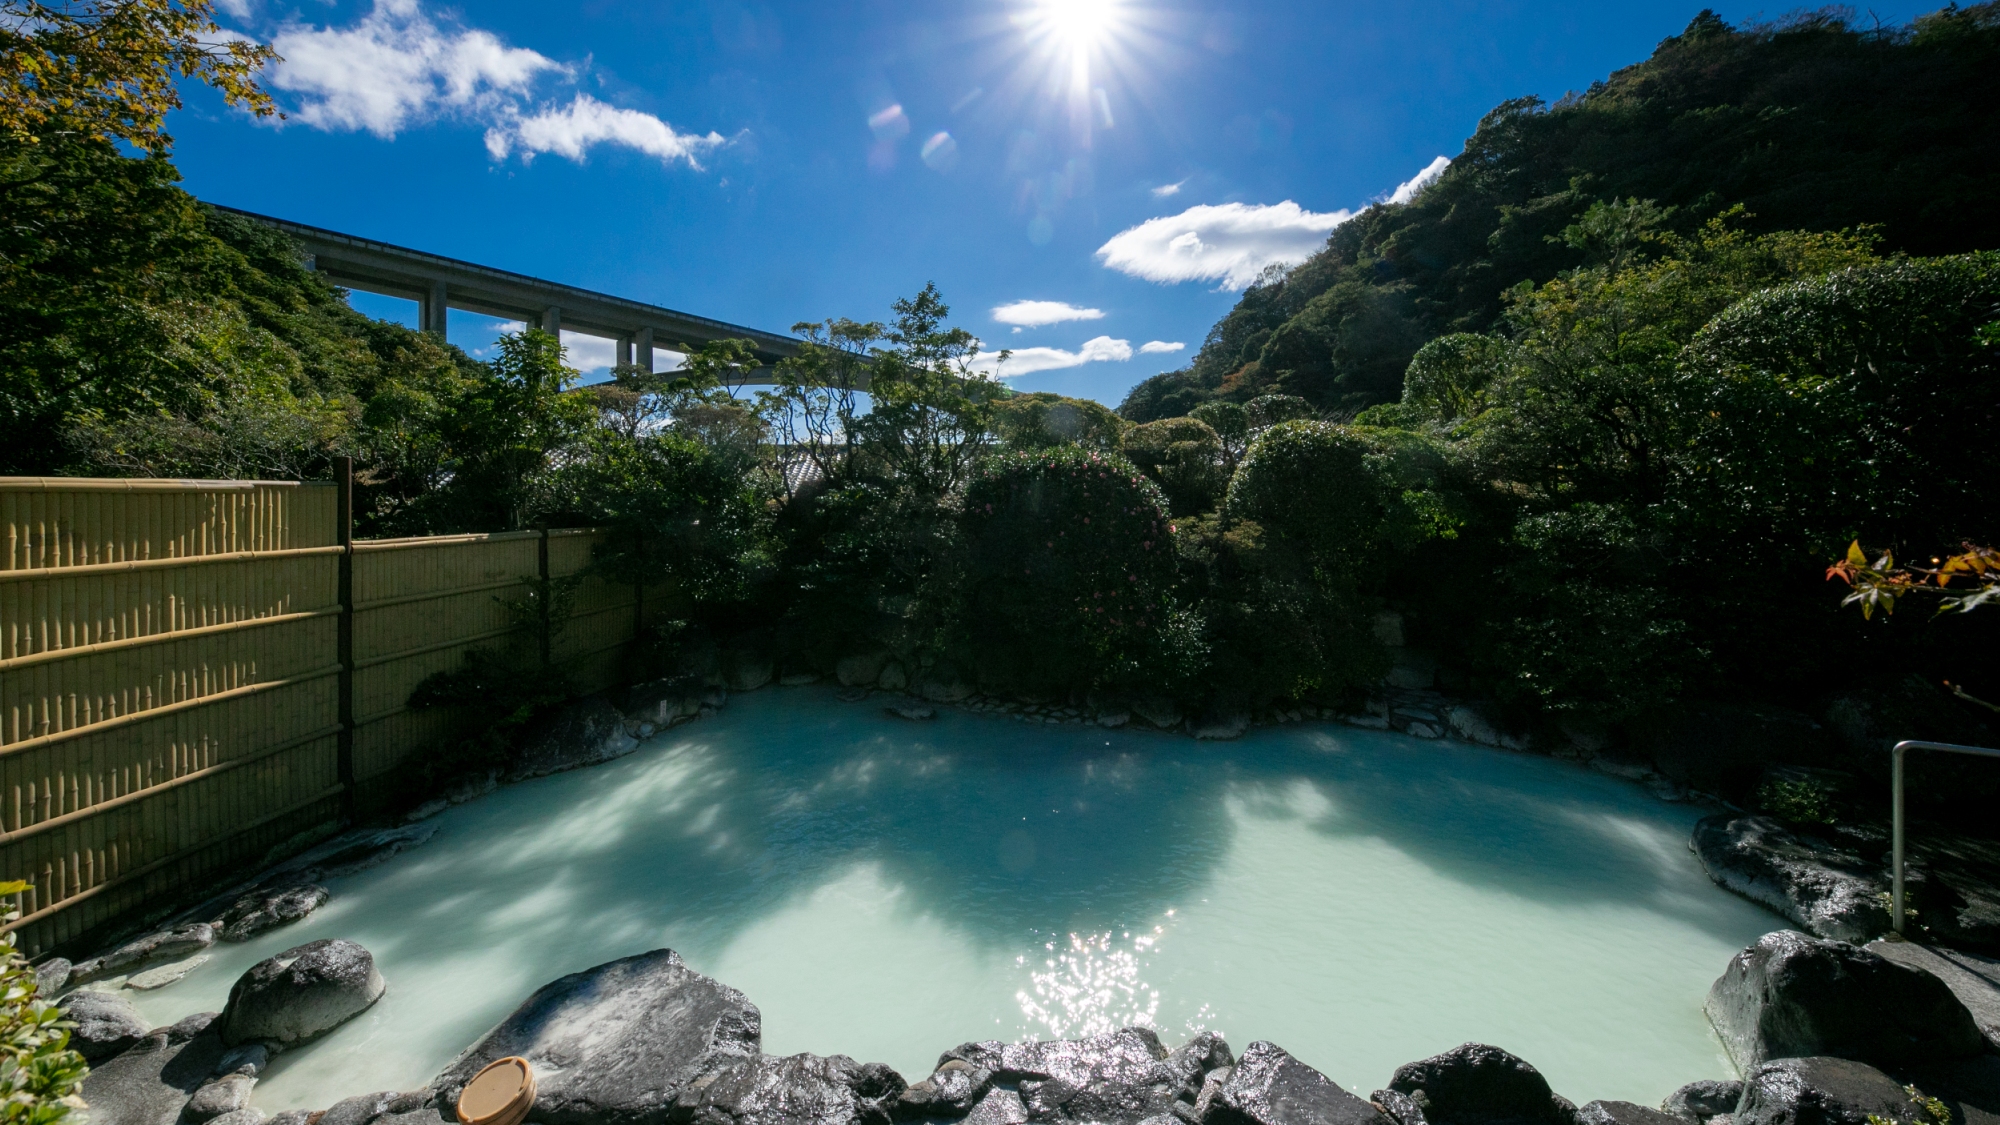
343, 473
547, 592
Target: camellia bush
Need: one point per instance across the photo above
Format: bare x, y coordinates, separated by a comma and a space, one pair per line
1184, 457
1071, 571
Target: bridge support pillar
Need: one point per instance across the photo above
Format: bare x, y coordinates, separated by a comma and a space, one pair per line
552, 320
433, 312
643, 345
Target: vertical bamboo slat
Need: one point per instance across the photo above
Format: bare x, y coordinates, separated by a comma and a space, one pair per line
169, 677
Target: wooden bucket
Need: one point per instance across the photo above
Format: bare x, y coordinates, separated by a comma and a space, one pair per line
500, 1094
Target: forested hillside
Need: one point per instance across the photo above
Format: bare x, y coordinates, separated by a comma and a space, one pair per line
1819, 122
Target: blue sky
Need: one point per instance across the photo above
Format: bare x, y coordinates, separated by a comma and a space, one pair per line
1121, 165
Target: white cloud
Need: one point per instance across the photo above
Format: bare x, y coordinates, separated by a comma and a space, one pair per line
1025, 361
1408, 189
397, 67
1230, 242
1034, 314
1165, 190
1152, 346
585, 123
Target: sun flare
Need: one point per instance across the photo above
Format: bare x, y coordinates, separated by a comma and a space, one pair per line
1080, 23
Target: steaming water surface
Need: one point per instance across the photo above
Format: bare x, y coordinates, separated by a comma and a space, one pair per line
886, 890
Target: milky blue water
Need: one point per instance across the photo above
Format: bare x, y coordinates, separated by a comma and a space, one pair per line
886, 889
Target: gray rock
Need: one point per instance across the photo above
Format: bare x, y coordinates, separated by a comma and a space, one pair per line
1269, 1087
50, 977
351, 853
176, 944
1158, 710
746, 670
1400, 1107
894, 677
150, 1083
294, 1117
268, 908
999, 1107
795, 1090
616, 1043
913, 711
1794, 995
1699, 1101
798, 679
1477, 1082
942, 683
471, 787
223, 1095
301, 994
1220, 724
662, 702
1974, 979
1621, 1113
583, 733
1113, 1079
1827, 891
106, 1024
1113, 719
357, 1110
859, 669
1193, 1061
1422, 730
951, 1091
160, 976
1822, 1091
250, 1059
249, 1115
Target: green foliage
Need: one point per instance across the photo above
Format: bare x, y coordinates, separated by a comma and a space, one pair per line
39, 1075
676, 509
1232, 426
1071, 570
1448, 377
1813, 123
1184, 457
1040, 420
1802, 800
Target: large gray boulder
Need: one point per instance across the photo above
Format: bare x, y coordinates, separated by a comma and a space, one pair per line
1826, 890
1119, 1078
150, 949
106, 1024
1267, 1086
1479, 1083
1823, 1091
615, 1045
1193, 1061
151, 1083
795, 1090
860, 669
1975, 980
1696, 1102
1791, 995
660, 704
301, 994
268, 908
583, 733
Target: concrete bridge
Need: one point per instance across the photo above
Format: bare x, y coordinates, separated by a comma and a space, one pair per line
438, 283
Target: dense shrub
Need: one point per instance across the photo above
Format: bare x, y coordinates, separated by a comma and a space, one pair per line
1040, 419
39, 1074
1184, 457
1071, 571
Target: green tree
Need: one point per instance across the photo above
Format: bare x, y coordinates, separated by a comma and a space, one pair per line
1184, 457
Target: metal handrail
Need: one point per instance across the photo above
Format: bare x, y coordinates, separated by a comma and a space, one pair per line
1896, 785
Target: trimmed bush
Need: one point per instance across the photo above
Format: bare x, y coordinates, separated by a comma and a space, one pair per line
1184, 457
1071, 569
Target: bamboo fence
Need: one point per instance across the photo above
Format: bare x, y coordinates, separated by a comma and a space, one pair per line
197, 677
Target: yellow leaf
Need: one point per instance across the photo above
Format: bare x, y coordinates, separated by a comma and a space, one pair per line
1854, 554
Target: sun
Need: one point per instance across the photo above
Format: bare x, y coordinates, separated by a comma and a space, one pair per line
1080, 24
